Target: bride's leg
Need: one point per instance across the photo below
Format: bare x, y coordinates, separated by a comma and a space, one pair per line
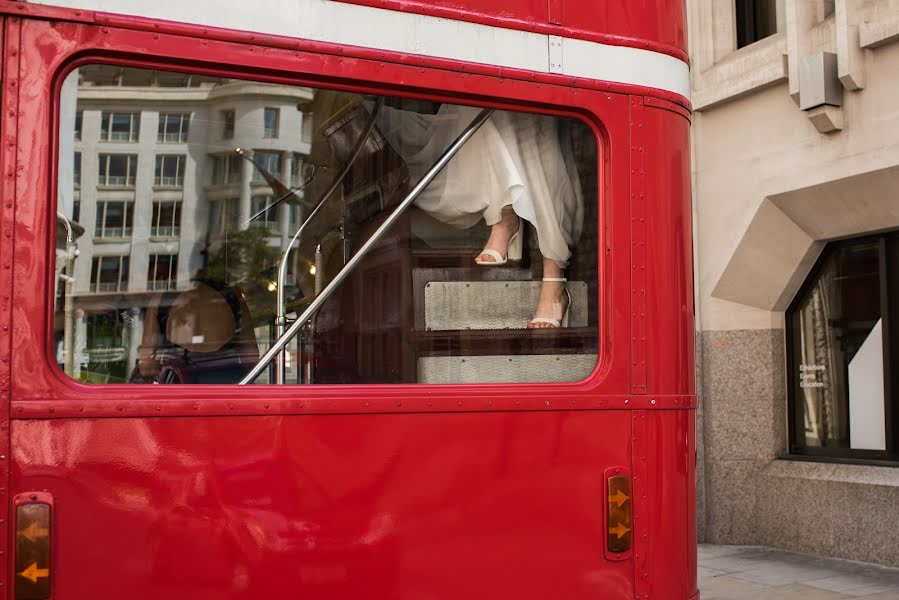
553, 300
500, 234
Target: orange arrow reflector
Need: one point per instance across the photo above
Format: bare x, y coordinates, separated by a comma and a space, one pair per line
33, 573
32, 560
620, 518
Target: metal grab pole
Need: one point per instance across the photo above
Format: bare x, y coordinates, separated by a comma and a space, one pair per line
450, 152
280, 299
68, 344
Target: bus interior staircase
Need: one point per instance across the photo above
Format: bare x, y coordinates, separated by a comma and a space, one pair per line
419, 309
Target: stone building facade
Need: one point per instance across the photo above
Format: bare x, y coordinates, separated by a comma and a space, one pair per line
796, 146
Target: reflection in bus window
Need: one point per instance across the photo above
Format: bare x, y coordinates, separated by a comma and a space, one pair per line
172, 272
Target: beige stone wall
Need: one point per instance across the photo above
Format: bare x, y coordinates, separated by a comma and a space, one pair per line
773, 183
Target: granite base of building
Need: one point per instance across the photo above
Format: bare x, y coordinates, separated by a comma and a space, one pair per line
749, 494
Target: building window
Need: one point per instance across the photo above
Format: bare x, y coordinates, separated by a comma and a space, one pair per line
173, 127
117, 169
272, 117
270, 161
306, 127
224, 215
79, 118
109, 274
166, 219
76, 170
755, 20
114, 219
163, 272
169, 170
226, 169
227, 124
119, 127
842, 340
269, 219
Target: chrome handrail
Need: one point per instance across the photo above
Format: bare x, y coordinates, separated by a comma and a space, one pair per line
313, 307
68, 344
280, 300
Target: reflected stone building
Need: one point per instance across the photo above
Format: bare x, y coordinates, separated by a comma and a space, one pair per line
157, 184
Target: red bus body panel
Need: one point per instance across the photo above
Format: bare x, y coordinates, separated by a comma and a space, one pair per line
660, 26
437, 492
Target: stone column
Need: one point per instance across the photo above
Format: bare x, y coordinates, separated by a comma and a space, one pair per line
284, 209
246, 176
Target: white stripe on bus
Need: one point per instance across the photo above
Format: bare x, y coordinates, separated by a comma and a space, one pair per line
351, 24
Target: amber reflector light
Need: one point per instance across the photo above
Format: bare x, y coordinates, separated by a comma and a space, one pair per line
32, 551
619, 514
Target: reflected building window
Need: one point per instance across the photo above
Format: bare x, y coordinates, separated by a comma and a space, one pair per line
119, 127
79, 119
169, 170
166, 219
76, 170
228, 118
224, 215
173, 127
117, 170
272, 118
163, 271
114, 219
270, 161
109, 274
226, 169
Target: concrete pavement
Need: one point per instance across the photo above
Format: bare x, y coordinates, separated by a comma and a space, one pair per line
750, 572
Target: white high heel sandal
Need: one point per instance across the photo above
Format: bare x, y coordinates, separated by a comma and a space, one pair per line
555, 323
513, 251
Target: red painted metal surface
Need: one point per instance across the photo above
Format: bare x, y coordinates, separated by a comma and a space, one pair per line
658, 25
664, 523
498, 506
49, 46
669, 252
272, 42
638, 258
351, 491
9, 177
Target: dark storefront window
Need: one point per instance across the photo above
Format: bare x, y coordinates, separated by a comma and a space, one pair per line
842, 336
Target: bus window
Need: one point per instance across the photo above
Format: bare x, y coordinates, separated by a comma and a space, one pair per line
181, 256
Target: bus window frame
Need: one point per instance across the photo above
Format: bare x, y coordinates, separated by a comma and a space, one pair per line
40, 388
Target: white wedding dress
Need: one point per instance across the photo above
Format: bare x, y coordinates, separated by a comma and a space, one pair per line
515, 159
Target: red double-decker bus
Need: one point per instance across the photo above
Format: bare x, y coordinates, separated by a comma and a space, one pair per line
346, 299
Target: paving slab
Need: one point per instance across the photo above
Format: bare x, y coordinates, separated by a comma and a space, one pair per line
758, 573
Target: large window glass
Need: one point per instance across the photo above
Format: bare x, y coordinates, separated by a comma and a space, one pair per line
842, 364
176, 273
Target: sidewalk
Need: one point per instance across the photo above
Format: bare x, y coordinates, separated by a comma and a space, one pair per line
750, 572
